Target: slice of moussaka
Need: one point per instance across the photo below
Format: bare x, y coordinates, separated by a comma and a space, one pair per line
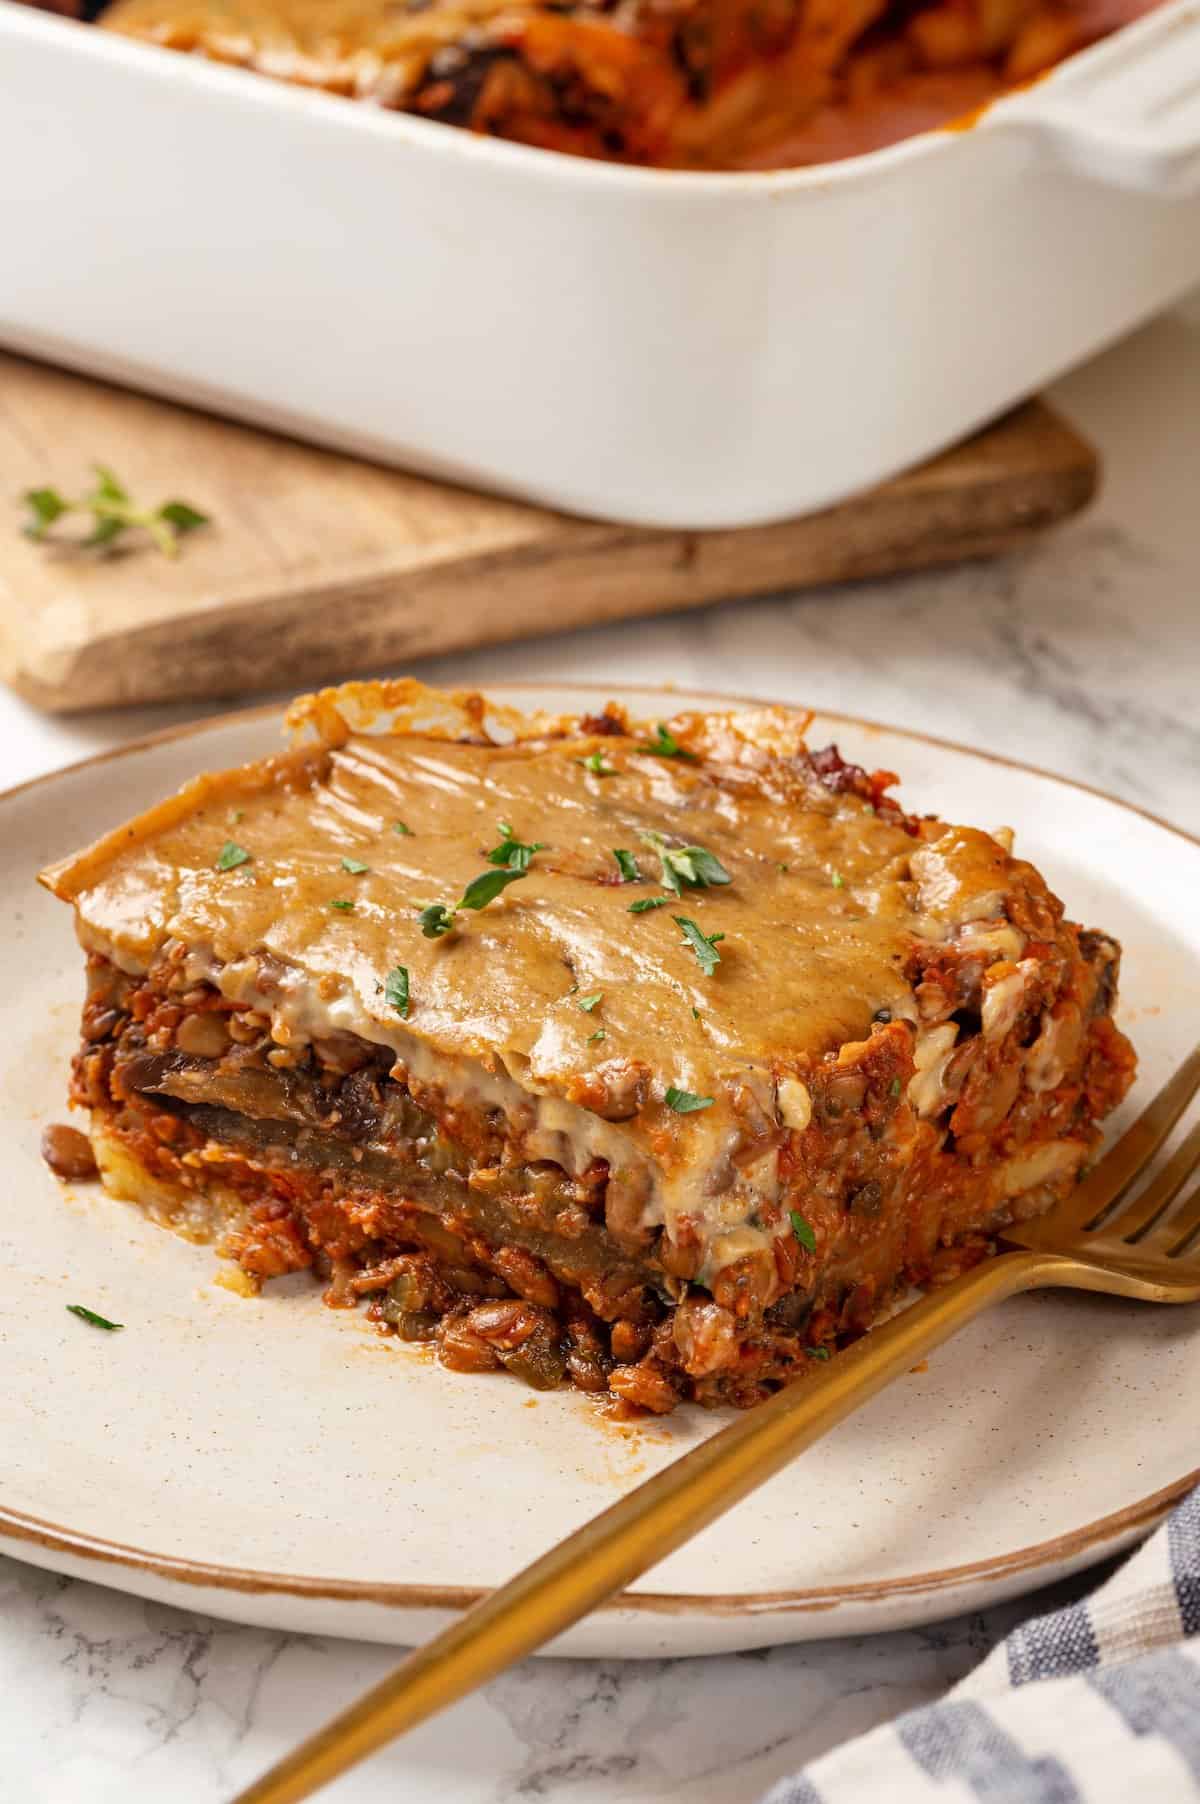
652, 1057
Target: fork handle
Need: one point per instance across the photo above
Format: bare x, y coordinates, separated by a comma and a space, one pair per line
606, 1554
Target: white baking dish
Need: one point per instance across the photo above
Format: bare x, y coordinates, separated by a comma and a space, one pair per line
663, 348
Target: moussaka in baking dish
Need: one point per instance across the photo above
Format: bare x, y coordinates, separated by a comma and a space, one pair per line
700, 83
653, 1058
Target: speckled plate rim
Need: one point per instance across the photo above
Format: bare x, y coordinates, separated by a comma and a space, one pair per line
1064, 1552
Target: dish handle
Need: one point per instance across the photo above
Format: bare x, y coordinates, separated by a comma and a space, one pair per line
1126, 113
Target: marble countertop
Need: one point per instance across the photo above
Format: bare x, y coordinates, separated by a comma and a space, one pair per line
1081, 655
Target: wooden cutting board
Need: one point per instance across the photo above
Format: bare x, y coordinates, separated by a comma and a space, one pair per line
317, 566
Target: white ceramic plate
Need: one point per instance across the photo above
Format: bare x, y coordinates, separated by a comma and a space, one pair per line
276, 1462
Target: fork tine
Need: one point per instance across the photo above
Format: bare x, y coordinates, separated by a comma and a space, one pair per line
1107, 1183
1141, 1216
1179, 1230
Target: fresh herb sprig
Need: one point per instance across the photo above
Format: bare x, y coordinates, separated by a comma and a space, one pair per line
513, 854
113, 512
686, 867
485, 888
685, 1102
704, 945
627, 865
803, 1231
89, 1315
665, 745
437, 919
594, 763
395, 990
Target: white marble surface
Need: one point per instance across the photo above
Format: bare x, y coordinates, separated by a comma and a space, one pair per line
1082, 655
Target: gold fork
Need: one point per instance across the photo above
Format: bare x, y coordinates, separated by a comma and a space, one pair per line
1097, 1239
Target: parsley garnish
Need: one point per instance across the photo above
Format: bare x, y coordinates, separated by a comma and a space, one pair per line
647, 902
684, 1102
113, 512
783, 869
588, 1003
484, 889
598, 1035
89, 1315
512, 854
627, 865
436, 920
695, 1014
665, 745
802, 1231
817, 1352
690, 867
395, 989
340, 902
355, 866
837, 880
400, 828
704, 945
595, 763
895, 1087
230, 856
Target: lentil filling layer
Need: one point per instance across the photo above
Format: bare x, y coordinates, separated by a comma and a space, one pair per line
331, 1165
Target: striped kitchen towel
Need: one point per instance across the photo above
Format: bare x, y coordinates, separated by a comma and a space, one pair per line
1098, 1703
